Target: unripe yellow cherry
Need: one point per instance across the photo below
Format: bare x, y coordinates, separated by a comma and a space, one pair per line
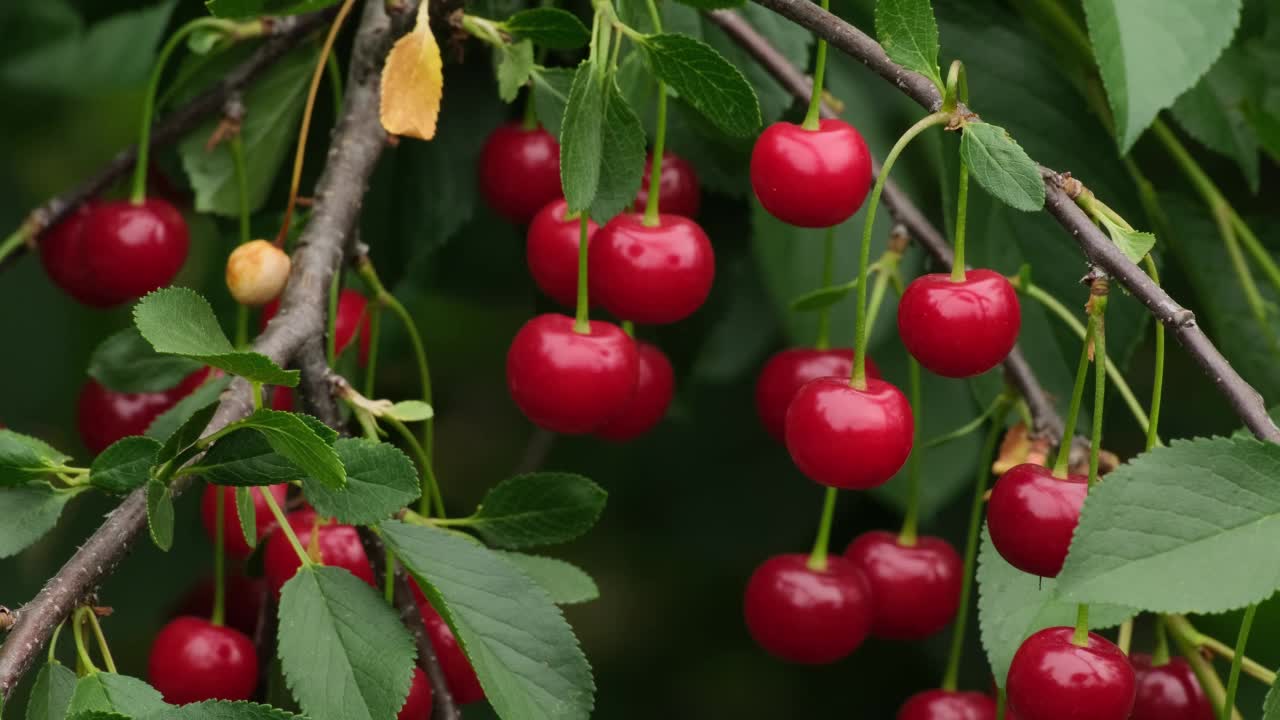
257, 272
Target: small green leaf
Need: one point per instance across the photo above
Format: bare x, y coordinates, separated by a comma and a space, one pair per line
255, 8
331, 620
163, 427
1267, 127
1214, 112
823, 297
300, 442
1271, 705
160, 514
27, 512
51, 694
124, 466
247, 515
112, 693
549, 27
186, 435
515, 64
705, 80
622, 158
550, 95
24, 458
538, 509
908, 33
410, 411
1001, 166
566, 583
380, 481
1133, 243
242, 459
178, 321
524, 653
1204, 508
582, 139
125, 362
223, 710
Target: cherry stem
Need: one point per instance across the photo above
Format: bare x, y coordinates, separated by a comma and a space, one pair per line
84, 663
103, 649
1098, 312
219, 615
375, 332
331, 320
1081, 636
1180, 626
389, 579
629, 328
818, 558
430, 487
1157, 381
859, 374
529, 119
17, 239
823, 341
962, 215
1160, 656
287, 529
985, 457
334, 72
965, 429
257, 395
1203, 669
296, 180
582, 318
651, 211
910, 522
813, 117
236, 145
1124, 636
1073, 411
1002, 704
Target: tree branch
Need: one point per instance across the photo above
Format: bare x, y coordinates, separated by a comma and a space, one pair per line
1244, 399
358, 141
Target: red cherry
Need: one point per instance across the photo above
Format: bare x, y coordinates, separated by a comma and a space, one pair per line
1168, 692
787, 371
417, 706
552, 251
245, 597
652, 275
519, 171
105, 416
959, 329
811, 178
655, 384
570, 382
948, 705
1051, 678
131, 249
193, 660
679, 193
352, 317
62, 253
848, 438
282, 399
339, 547
232, 536
915, 588
1032, 516
808, 616
461, 678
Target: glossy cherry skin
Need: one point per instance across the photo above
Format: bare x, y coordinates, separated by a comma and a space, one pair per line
131, 249
651, 275
570, 382
551, 251
787, 371
959, 329
678, 192
105, 416
232, 536
1032, 516
519, 171
655, 384
339, 547
62, 254
1051, 678
808, 616
915, 589
458, 673
282, 399
353, 317
815, 178
847, 438
245, 597
193, 660
1168, 692
948, 705
417, 706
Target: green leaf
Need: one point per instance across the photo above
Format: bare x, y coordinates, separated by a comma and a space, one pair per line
255, 8
1151, 51
160, 514
178, 321
380, 481
551, 95
27, 512
112, 693
1135, 244
823, 297
538, 509
125, 362
1271, 706
99, 715
345, 654
24, 458
247, 514
549, 27
410, 411
908, 33
705, 80
1012, 605
164, 426
1267, 127
713, 4
186, 435
1001, 166
51, 694
622, 155
601, 146
514, 66
223, 710
524, 653
1204, 508
245, 458
566, 583
124, 466
298, 441
1213, 112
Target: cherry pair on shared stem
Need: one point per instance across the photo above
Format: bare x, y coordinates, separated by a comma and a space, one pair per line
1052, 678
107, 253
104, 416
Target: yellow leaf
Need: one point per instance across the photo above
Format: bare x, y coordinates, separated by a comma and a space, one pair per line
413, 82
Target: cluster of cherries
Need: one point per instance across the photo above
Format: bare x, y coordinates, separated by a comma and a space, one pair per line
593, 377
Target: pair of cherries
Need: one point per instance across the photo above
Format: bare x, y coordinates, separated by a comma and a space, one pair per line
107, 253
880, 587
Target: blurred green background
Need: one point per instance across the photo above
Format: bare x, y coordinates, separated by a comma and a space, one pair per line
695, 505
